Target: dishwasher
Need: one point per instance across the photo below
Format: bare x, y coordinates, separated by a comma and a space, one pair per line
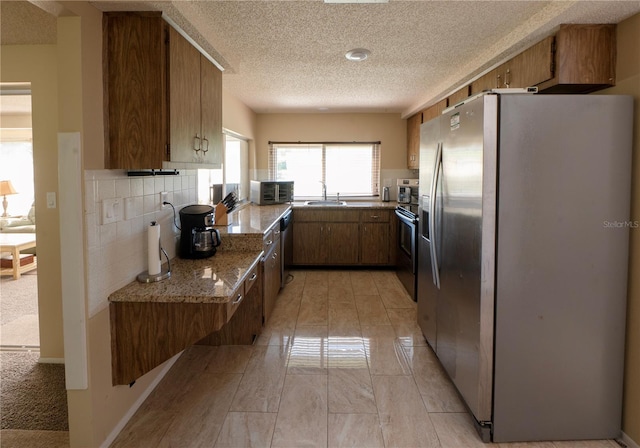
286, 245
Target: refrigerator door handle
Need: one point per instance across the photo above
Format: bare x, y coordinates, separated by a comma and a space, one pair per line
435, 268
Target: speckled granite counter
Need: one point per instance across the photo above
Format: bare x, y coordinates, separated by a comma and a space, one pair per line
210, 280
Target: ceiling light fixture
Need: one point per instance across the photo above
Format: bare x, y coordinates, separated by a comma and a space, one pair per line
357, 54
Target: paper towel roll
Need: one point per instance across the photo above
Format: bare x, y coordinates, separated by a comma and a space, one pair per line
155, 262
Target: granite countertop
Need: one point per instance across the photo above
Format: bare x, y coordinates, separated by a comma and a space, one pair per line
208, 280
253, 219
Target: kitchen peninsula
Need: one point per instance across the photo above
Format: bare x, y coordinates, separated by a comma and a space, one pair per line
151, 322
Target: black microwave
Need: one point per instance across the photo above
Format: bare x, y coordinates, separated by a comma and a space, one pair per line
268, 192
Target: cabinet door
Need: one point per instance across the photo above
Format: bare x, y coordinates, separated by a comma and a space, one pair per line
487, 81
374, 243
343, 241
272, 281
413, 141
531, 67
184, 91
432, 112
310, 243
135, 90
211, 108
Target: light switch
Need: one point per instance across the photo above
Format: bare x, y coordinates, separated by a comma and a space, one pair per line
111, 210
51, 199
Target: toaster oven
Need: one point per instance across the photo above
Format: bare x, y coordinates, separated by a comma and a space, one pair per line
267, 192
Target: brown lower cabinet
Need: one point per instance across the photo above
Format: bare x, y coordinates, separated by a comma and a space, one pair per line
246, 323
272, 280
334, 237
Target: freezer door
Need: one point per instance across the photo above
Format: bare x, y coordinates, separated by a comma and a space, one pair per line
565, 174
427, 292
465, 300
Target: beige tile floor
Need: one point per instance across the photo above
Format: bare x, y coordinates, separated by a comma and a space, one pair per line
341, 363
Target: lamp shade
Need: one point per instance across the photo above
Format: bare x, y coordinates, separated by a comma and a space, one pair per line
6, 187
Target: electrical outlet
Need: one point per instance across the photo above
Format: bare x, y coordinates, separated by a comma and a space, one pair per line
164, 197
111, 210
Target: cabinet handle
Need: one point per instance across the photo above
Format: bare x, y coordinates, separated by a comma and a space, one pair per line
507, 78
253, 277
207, 149
375, 216
197, 143
238, 299
275, 255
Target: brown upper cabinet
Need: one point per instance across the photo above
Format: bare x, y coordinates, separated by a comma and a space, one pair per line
413, 132
195, 87
413, 141
577, 59
150, 74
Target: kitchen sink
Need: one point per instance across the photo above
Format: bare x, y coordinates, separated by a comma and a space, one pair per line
325, 203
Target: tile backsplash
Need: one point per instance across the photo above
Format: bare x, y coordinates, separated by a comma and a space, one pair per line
117, 251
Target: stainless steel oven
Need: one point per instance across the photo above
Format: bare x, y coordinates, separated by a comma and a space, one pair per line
407, 254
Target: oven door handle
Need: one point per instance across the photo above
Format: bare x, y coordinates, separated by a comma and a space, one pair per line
404, 218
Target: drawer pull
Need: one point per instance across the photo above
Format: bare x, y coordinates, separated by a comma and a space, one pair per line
374, 216
238, 299
253, 277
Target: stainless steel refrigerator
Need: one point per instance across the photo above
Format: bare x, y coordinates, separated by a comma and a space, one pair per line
523, 259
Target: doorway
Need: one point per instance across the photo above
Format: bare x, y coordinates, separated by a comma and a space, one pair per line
19, 322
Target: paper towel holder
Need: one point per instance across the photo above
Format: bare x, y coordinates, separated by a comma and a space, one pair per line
164, 273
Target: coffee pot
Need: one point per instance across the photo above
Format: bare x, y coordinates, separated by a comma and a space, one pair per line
198, 238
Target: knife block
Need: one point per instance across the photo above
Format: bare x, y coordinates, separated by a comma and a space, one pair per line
220, 215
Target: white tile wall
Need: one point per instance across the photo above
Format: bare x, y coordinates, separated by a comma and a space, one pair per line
117, 252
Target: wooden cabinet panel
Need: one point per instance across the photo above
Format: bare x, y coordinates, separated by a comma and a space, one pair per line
487, 81
184, 87
413, 141
434, 111
309, 243
586, 55
343, 243
272, 281
374, 243
246, 323
135, 102
459, 95
144, 335
325, 215
375, 215
161, 95
211, 108
531, 67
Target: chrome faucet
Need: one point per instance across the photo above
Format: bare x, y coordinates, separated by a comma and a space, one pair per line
324, 190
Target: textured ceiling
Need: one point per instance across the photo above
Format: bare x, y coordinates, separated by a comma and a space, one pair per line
288, 56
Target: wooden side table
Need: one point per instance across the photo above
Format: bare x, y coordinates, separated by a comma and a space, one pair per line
14, 243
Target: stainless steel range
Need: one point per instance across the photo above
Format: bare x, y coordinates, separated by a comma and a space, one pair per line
407, 253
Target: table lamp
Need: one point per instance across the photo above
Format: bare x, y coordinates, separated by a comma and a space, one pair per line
6, 187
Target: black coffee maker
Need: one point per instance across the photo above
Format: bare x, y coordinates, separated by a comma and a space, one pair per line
198, 238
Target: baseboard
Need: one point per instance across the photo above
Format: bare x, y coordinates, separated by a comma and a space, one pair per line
125, 419
50, 360
628, 441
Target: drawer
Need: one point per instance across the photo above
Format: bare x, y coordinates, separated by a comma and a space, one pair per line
325, 215
375, 215
252, 278
235, 300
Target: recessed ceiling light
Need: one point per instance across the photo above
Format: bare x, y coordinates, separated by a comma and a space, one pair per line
358, 54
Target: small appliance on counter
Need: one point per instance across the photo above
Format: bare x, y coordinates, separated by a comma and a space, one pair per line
408, 191
268, 192
198, 238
